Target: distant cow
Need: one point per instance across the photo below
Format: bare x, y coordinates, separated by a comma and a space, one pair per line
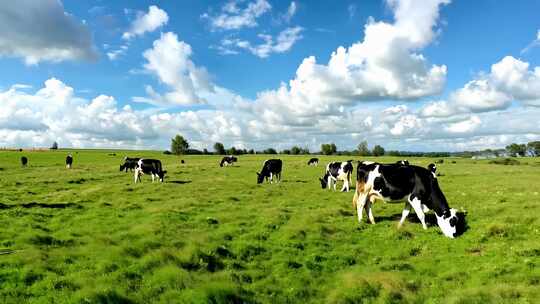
149, 166
228, 161
394, 183
24, 161
337, 171
129, 163
271, 168
313, 162
182, 161
403, 162
69, 161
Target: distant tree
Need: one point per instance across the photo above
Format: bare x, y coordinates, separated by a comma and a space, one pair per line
54, 146
534, 147
328, 149
167, 152
363, 149
378, 151
205, 151
251, 151
286, 151
296, 150
394, 153
179, 145
269, 151
517, 149
219, 148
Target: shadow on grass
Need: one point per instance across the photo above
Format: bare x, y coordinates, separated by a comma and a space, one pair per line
431, 220
42, 205
179, 182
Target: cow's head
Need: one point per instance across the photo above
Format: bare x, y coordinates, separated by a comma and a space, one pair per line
323, 182
260, 178
448, 223
162, 175
432, 168
122, 167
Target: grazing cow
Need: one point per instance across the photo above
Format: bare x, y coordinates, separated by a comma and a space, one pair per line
403, 162
69, 161
182, 161
129, 163
394, 183
432, 168
24, 161
337, 171
271, 168
149, 166
228, 161
313, 162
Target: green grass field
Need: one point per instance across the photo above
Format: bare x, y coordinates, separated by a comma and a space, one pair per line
212, 235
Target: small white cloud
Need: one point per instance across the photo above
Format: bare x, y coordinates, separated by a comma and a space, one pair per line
149, 22
291, 11
465, 126
233, 17
283, 43
533, 44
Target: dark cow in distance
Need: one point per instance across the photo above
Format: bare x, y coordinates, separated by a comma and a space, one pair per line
337, 171
129, 163
228, 161
394, 183
313, 162
69, 161
24, 161
149, 166
271, 168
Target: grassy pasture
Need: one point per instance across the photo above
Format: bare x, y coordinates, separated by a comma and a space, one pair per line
211, 235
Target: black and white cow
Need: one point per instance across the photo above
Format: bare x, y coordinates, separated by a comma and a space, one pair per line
337, 171
271, 168
24, 161
129, 163
432, 167
403, 162
228, 161
394, 183
313, 162
69, 161
149, 166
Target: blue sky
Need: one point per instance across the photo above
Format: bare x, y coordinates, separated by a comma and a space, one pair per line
432, 75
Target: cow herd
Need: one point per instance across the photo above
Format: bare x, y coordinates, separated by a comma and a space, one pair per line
397, 182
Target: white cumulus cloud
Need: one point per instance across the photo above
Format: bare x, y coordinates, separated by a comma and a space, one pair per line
147, 22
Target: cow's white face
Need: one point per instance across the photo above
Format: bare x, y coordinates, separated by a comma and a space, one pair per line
448, 224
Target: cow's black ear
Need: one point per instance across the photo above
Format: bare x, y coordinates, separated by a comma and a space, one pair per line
258, 173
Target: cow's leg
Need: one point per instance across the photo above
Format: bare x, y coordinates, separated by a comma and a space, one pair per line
369, 211
271, 177
404, 214
345, 185
136, 176
360, 203
417, 206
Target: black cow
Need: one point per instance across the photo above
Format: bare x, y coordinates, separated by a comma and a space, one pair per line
228, 161
69, 161
129, 163
149, 166
337, 171
24, 161
393, 183
271, 168
432, 168
313, 162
